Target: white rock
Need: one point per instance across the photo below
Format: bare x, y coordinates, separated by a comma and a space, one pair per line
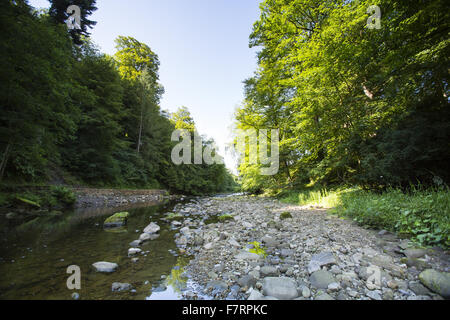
255, 295
280, 288
103, 266
133, 251
152, 228
245, 255
208, 246
334, 286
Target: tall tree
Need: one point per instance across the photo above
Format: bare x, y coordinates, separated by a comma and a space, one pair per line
58, 10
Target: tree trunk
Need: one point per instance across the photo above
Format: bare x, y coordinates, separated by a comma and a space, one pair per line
140, 133
140, 122
4, 160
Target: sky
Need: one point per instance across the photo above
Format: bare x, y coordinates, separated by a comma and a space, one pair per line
203, 49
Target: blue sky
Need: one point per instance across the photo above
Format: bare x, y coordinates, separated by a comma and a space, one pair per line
202, 46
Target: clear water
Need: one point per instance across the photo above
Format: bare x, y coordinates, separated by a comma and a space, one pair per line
35, 254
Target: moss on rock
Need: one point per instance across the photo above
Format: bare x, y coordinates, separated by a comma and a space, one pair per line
225, 217
118, 219
285, 215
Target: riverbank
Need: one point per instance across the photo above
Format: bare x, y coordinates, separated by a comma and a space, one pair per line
54, 199
266, 249
418, 213
90, 197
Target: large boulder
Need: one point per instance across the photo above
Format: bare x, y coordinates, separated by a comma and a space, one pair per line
280, 287
118, 219
436, 281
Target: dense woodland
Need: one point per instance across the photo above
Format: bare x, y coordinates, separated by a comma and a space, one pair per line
71, 114
354, 105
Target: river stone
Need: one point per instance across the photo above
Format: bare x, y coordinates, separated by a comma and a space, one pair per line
418, 288
135, 243
118, 219
319, 260
245, 255
152, 228
321, 279
419, 264
269, 241
306, 293
436, 281
233, 242
75, 296
374, 295
133, 251
255, 295
323, 296
414, 253
118, 287
217, 286
267, 271
147, 236
280, 288
247, 281
104, 266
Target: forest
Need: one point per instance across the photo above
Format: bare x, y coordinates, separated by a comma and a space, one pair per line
73, 115
362, 110
358, 91
106, 195
353, 104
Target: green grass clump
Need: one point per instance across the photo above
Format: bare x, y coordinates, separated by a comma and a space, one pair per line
424, 215
63, 195
421, 214
258, 249
321, 198
225, 217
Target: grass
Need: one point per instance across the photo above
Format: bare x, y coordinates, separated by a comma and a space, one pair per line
225, 217
421, 214
320, 198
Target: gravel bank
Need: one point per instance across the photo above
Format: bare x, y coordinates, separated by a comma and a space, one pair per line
311, 255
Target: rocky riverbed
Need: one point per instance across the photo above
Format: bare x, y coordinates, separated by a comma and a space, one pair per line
260, 248
101, 198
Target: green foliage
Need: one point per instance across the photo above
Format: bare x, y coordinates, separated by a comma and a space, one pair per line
422, 214
72, 112
63, 195
315, 197
58, 11
258, 249
352, 104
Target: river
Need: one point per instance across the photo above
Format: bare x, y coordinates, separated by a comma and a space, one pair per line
35, 254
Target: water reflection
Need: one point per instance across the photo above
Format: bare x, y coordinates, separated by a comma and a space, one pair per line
35, 253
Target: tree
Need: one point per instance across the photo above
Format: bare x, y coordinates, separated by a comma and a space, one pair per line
344, 94
58, 10
35, 70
